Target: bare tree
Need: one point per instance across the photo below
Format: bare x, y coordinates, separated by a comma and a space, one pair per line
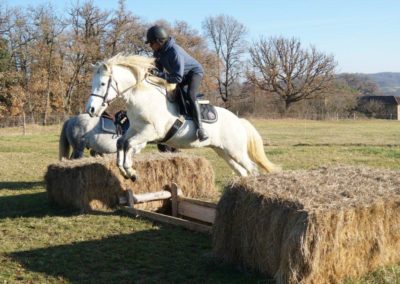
227, 37
17, 27
283, 67
86, 43
126, 33
47, 61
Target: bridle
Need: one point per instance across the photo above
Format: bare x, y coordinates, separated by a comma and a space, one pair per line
110, 85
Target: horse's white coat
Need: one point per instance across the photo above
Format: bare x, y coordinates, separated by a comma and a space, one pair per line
152, 115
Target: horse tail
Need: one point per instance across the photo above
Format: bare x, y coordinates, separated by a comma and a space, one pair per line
255, 148
63, 144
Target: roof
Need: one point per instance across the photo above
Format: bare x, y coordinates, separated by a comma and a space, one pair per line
389, 100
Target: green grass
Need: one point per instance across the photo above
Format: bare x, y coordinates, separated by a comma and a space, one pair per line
41, 244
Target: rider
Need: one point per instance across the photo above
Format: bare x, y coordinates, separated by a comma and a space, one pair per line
180, 68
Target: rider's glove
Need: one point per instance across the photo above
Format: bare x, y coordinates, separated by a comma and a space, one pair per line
155, 72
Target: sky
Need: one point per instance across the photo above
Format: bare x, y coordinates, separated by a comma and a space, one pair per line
362, 35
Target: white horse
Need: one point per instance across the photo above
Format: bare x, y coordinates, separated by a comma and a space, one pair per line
153, 115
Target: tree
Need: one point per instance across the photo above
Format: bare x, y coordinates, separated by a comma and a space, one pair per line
126, 33
17, 31
227, 38
47, 62
85, 45
283, 67
359, 82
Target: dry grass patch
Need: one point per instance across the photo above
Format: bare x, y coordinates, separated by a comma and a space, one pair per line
317, 226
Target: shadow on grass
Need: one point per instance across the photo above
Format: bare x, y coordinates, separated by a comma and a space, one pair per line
29, 205
164, 255
18, 185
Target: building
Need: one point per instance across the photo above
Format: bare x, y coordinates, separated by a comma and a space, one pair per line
387, 107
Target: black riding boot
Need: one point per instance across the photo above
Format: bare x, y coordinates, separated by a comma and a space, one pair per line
201, 133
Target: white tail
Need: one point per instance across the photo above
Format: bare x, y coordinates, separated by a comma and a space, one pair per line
255, 148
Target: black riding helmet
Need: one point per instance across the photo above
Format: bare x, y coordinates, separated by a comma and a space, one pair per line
156, 33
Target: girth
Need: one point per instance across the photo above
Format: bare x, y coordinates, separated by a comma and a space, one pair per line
174, 128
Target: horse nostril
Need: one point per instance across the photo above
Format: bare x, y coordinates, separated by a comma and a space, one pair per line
92, 110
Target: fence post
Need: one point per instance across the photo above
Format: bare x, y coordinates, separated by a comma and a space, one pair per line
24, 123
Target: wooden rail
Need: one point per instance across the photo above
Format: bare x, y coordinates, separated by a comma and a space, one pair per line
192, 214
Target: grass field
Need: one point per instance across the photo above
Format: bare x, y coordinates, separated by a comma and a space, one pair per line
41, 244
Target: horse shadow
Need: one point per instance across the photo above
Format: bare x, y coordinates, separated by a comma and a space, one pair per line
163, 255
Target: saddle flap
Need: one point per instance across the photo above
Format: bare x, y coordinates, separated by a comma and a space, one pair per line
107, 125
208, 113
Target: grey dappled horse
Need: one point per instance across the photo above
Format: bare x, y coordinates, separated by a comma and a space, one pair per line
82, 131
96, 133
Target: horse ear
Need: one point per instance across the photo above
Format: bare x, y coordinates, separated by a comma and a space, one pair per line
105, 66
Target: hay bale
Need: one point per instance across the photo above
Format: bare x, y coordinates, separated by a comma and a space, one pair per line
317, 226
96, 183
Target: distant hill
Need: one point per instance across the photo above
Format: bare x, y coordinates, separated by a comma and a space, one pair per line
388, 82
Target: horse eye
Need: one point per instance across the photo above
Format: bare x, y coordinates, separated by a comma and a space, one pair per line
103, 84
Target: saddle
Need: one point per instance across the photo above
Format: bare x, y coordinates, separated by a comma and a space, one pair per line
208, 111
107, 123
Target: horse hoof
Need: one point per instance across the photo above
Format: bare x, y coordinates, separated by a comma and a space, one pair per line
123, 172
131, 173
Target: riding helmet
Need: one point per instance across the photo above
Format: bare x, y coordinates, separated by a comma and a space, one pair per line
156, 33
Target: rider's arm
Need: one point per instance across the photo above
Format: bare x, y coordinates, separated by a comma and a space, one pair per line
176, 64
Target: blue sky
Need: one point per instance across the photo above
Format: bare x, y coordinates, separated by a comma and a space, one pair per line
363, 36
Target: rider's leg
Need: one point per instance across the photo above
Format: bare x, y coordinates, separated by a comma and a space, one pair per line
193, 88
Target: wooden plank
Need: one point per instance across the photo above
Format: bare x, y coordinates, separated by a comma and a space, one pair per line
169, 220
122, 200
196, 211
130, 197
151, 196
199, 202
174, 199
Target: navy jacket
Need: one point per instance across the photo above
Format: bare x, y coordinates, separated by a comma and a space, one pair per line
172, 58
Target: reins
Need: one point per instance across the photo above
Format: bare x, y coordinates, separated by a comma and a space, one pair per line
163, 90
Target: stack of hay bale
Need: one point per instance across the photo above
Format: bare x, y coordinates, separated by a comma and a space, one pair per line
317, 226
96, 183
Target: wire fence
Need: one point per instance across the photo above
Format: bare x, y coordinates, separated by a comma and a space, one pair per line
20, 121
58, 119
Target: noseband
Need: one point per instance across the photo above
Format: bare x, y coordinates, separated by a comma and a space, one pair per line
109, 84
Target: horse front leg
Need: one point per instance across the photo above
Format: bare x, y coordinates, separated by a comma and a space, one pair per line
130, 151
121, 156
134, 145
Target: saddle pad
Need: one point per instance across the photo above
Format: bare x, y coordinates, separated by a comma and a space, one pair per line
208, 113
107, 125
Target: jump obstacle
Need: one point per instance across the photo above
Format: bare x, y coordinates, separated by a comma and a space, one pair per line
310, 226
190, 213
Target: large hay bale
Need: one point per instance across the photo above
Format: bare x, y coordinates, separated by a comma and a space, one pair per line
317, 226
96, 183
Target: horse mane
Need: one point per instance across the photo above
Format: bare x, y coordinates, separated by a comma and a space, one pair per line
139, 65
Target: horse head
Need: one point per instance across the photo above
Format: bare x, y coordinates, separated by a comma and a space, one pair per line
104, 89
116, 76
110, 80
